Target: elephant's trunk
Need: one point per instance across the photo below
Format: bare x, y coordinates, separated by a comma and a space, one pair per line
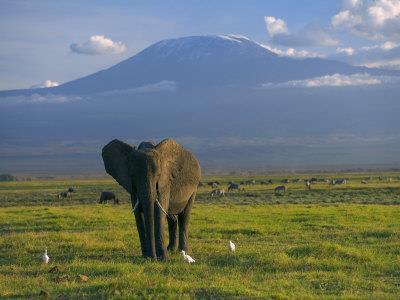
149, 225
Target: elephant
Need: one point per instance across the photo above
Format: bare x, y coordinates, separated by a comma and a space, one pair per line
162, 180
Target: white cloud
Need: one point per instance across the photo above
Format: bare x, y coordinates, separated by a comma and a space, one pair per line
347, 51
311, 35
335, 80
38, 99
162, 86
98, 44
374, 19
383, 11
388, 45
345, 18
352, 3
46, 84
291, 52
275, 26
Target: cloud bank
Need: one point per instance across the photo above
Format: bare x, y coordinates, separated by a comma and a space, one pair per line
38, 99
385, 55
373, 19
291, 52
98, 44
162, 86
46, 84
335, 80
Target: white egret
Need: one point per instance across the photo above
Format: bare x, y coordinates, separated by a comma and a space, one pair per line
45, 257
187, 258
231, 246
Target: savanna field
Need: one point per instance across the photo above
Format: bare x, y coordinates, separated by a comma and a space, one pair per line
333, 241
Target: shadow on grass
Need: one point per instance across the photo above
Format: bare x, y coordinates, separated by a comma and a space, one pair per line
243, 231
377, 234
214, 293
243, 262
331, 250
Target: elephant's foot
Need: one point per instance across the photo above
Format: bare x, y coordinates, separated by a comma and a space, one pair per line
162, 254
163, 257
172, 247
185, 247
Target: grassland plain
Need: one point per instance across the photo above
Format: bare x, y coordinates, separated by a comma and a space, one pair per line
338, 241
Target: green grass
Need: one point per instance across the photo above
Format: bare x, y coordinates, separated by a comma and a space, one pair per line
330, 242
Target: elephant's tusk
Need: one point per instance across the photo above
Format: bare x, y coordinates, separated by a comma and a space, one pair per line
136, 206
162, 209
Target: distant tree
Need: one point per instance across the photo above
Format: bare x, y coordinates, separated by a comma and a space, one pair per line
7, 177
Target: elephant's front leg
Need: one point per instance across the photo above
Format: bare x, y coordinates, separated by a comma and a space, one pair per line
159, 218
172, 232
138, 212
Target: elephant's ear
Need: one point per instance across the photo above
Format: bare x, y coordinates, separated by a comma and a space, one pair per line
116, 162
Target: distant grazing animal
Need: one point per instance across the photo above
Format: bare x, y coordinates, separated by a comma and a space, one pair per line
364, 182
213, 184
71, 190
313, 180
65, 194
234, 186
217, 192
105, 196
200, 184
308, 184
286, 180
280, 188
341, 181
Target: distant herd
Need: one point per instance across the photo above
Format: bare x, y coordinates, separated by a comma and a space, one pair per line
216, 191
279, 190
104, 196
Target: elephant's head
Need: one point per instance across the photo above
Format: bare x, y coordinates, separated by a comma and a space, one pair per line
143, 172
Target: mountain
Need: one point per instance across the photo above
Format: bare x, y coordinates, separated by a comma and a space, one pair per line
229, 99
203, 61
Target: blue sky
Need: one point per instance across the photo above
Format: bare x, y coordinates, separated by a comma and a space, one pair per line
60, 41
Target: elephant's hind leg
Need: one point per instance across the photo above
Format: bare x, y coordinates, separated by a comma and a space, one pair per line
172, 233
183, 220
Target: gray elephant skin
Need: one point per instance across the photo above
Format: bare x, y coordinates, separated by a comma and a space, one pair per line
162, 181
